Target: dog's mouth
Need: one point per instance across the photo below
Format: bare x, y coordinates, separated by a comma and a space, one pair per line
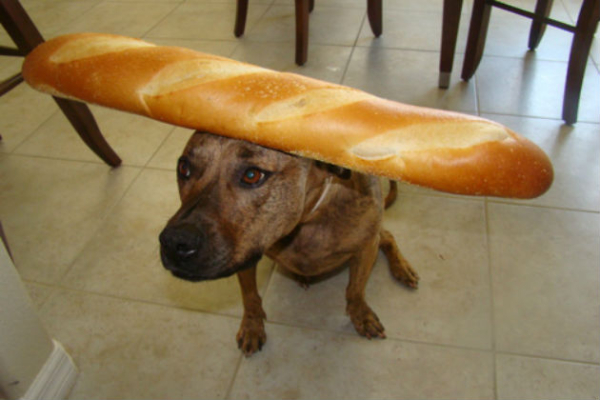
198, 272
187, 276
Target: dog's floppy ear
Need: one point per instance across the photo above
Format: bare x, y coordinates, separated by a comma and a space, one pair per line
340, 172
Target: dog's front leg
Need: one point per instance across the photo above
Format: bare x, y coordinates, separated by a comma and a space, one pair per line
251, 335
364, 319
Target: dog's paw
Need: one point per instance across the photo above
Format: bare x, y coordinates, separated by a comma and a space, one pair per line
251, 337
404, 273
366, 322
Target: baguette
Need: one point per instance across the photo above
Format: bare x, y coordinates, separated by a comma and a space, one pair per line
442, 150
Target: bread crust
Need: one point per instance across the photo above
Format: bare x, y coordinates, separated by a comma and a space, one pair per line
443, 150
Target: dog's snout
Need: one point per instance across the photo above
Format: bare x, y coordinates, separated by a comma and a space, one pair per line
182, 241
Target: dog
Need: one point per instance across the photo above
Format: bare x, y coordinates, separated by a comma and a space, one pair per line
240, 201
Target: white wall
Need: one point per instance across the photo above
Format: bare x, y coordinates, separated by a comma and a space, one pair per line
24, 343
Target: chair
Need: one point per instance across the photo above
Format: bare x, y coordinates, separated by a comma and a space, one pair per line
583, 34
26, 37
303, 9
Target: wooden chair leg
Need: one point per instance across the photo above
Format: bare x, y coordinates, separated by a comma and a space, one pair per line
9, 84
26, 36
375, 14
4, 241
240, 17
80, 116
19, 26
542, 8
302, 11
588, 19
450, 24
480, 20
311, 5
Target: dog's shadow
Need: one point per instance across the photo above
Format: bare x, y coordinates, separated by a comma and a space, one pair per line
220, 296
307, 281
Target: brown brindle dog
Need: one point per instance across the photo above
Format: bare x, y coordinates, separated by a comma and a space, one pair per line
241, 200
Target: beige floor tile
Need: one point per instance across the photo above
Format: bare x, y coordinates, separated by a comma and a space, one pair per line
327, 63
421, 5
9, 66
535, 378
39, 293
444, 239
545, 281
51, 208
218, 47
508, 34
151, 1
321, 306
194, 20
134, 138
409, 77
122, 18
407, 188
14, 106
412, 5
50, 16
265, 2
530, 87
169, 152
81, 227
129, 350
306, 364
575, 154
330, 3
123, 258
411, 30
328, 25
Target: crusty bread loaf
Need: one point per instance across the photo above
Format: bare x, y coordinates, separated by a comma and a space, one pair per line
443, 150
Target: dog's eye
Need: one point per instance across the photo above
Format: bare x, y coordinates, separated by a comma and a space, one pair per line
253, 177
183, 168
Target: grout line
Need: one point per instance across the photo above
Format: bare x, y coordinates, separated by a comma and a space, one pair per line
48, 286
104, 218
491, 299
234, 376
273, 266
62, 286
556, 119
170, 169
489, 203
73, 160
475, 81
546, 358
495, 200
263, 295
347, 335
521, 203
167, 15
36, 129
352, 335
54, 158
353, 48
250, 27
159, 147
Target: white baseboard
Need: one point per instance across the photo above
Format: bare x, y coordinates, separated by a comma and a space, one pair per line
55, 379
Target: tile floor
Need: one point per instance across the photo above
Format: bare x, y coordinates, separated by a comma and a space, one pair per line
509, 302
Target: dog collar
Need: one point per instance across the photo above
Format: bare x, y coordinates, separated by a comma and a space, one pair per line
323, 195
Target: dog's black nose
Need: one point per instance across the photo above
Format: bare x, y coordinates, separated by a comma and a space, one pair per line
181, 241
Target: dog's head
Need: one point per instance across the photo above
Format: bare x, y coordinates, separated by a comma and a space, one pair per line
237, 200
